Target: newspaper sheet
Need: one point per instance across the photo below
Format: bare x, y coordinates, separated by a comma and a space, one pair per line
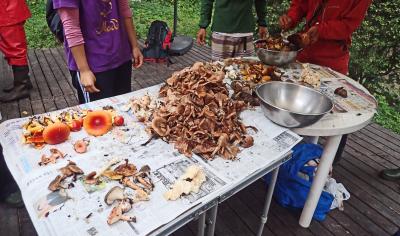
81, 210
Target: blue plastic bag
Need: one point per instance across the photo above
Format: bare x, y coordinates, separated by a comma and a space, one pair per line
291, 190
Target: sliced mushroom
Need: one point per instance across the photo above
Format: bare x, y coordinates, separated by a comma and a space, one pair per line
91, 178
128, 183
147, 184
55, 154
66, 171
115, 193
247, 141
106, 167
141, 195
126, 169
112, 175
74, 168
341, 91
117, 212
143, 177
56, 183
190, 181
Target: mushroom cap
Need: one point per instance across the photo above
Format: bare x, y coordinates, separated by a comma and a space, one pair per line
126, 169
74, 168
56, 183
145, 168
115, 193
112, 175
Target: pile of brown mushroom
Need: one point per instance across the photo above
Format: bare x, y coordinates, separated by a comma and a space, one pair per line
128, 176
70, 170
197, 114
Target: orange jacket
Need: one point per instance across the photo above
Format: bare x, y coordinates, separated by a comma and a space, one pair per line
336, 23
13, 12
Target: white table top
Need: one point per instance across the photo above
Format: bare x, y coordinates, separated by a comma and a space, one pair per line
271, 145
336, 123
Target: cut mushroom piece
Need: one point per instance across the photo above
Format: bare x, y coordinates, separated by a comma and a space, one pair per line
147, 184
106, 167
56, 183
80, 146
112, 175
190, 181
143, 177
117, 212
247, 141
74, 168
66, 171
115, 193
126, 169
91, 178
140, 196
54, 156
128, 183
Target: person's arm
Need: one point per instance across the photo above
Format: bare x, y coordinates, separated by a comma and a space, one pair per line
73, 34
206, 13
205, 20
295, 13
342, 29
261, 11
126, 14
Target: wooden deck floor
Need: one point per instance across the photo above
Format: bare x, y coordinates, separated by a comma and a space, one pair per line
373, 209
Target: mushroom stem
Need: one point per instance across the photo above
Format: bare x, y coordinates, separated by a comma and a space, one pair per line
145, 183
117, 213
128, 183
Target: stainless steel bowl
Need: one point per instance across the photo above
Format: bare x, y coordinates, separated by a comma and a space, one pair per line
292, 105
275, 58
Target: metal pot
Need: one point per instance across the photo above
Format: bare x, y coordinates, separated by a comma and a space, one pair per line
275, 58
292, 105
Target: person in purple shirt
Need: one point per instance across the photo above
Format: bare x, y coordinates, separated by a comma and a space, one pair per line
100, 40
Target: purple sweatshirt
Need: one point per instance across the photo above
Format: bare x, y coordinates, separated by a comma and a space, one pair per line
99, 25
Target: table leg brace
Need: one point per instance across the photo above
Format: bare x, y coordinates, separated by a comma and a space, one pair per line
268, 199
330, 149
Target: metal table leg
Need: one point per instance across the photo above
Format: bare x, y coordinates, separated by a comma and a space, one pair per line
211, 220
268, 199
314, 139
311, 139
201, 223
330, 149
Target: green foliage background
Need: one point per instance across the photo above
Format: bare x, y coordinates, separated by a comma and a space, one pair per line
375, 51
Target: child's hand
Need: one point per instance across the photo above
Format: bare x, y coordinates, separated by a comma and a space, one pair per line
87, 80
137, 57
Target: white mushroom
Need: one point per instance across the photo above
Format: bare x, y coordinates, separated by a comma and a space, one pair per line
190, 181
115, 193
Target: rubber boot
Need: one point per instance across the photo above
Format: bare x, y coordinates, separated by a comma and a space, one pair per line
22, 85
9, 192
391, 174
16, 69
